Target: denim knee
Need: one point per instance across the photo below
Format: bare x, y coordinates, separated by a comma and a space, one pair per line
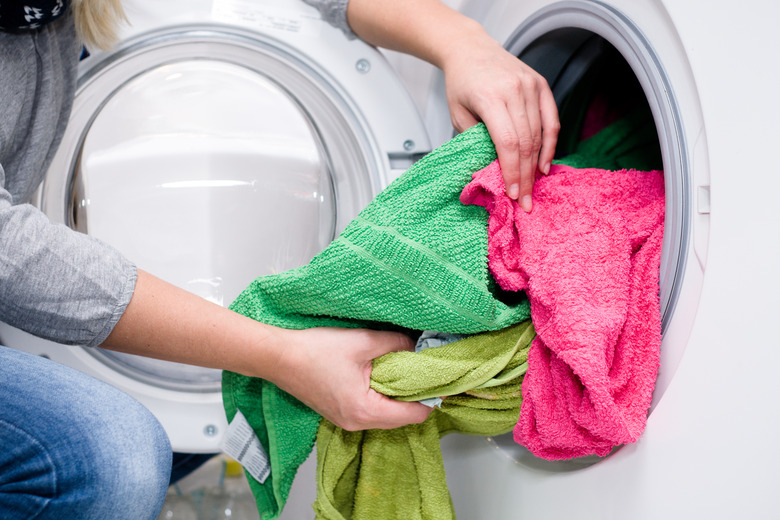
78, 448
128, 464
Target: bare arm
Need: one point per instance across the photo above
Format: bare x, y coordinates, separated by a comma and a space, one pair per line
326, 368
484, 82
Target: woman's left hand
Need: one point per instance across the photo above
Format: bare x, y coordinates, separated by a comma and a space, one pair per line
486, 83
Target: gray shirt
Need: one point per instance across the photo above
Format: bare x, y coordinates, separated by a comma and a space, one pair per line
335, 13
54, 282
57, 283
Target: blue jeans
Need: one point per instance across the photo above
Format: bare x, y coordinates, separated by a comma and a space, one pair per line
74, 447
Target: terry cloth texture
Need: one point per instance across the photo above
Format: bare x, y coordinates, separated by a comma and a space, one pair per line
400, 473
414, 258
588, 257
631, 142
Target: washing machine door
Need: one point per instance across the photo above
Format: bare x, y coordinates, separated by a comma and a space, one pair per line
216, 152
619, 56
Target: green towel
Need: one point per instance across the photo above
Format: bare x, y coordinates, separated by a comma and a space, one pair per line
414, 258
376, 474
631, 142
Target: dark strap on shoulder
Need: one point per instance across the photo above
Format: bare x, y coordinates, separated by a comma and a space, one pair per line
25, 15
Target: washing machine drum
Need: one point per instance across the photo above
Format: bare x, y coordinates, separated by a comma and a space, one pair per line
594, 84
600, 75
209, 158
206, 174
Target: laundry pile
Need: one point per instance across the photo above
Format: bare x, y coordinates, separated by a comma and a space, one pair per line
588, 258
400, 473
416, 258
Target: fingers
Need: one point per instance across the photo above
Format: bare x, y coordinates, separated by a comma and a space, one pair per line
523, 144
371, 409
329, 370
522, 119
551, 127
518, 109
462, 118
524, 111
386, 342
506, 137
382, 412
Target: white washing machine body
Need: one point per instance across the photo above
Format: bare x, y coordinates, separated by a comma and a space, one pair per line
705, 69
220, 141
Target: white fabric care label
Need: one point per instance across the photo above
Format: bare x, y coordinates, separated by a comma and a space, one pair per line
241, 443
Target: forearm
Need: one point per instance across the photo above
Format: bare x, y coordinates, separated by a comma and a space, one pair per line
427, 29
165, 322
484, 82
56, 283
328, 369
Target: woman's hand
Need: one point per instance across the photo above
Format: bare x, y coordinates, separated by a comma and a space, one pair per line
486, 83
329, 370
483, 81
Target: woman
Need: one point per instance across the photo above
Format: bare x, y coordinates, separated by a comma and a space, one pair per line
76, 448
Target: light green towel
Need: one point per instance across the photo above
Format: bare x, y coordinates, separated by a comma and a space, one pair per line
414, 258
388, 474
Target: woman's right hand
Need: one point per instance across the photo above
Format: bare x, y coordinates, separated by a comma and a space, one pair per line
329, 370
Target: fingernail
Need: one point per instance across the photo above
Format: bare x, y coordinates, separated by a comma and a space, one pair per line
526, 204
513, 191
546, 169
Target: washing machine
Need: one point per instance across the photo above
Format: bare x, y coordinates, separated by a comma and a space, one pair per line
702, 70
217, 142
227, 139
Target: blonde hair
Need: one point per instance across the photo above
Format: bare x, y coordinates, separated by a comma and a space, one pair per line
97, 21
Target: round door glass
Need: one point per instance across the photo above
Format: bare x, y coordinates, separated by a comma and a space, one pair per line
208, 175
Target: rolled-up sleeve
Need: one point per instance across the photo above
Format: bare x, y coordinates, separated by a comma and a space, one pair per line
57, 283
335, 13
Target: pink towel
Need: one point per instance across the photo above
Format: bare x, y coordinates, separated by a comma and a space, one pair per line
588, 257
